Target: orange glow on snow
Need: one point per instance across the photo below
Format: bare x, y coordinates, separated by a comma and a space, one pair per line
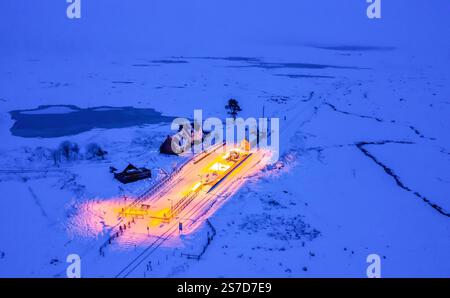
196, 186
219, 167
190, 200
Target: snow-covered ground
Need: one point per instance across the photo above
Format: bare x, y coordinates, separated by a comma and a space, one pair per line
364, 148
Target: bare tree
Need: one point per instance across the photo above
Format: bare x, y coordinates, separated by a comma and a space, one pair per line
68, 150
94, 150
233, 108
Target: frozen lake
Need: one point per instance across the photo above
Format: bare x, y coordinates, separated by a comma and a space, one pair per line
62, 120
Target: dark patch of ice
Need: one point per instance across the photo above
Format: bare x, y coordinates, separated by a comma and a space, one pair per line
231, 58
167, 61
122, 82
40, 123
144, 65
302, 76
292, 65
353, 48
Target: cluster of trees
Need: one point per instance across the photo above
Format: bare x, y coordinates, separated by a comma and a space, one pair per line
69, 151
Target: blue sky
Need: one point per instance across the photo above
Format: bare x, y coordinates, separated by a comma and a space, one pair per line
202, 26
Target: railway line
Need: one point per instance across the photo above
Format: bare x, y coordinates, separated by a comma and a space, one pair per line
189, 196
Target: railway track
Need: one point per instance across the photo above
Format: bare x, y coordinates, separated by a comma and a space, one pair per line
194, 208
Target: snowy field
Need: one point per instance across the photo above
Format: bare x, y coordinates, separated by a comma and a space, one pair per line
364, 111
364, 149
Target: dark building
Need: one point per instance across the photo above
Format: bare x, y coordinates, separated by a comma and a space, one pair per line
132, 174
166, 146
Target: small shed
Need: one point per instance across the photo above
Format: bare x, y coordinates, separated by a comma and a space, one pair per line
132, 174
166, 146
